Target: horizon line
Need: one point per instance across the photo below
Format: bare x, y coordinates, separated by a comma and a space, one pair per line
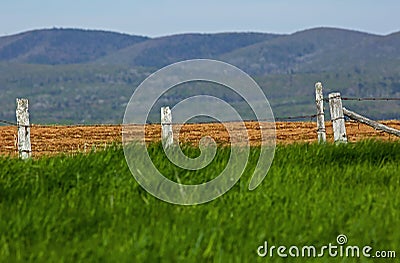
192, 32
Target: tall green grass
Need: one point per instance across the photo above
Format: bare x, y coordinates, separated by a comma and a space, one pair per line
89, 208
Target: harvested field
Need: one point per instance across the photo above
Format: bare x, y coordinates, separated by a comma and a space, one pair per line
68, 139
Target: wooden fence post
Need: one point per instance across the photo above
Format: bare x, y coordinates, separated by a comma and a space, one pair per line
24, 130
376, 125
337, 117
166, 127
319, 100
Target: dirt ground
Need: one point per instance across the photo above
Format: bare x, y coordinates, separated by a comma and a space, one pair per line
70, 139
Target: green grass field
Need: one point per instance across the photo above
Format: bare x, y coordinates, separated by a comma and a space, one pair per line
89, 208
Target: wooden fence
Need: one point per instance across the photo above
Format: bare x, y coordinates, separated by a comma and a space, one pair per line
338, 112
337, 116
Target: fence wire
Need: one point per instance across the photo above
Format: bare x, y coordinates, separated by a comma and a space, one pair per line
371, 99
8, 122
33, 125
366, 99
287, 118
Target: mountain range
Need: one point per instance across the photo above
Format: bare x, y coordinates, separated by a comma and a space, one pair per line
88, 76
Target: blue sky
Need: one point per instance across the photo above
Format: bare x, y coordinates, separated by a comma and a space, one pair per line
158, 17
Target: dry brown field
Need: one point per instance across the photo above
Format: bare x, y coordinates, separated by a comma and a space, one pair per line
69, 139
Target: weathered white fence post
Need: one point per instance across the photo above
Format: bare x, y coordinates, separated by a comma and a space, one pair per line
166, 127
376, 125
319, 100
337, 117
24, 130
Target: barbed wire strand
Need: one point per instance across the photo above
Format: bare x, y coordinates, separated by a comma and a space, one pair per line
99, 125
373, 99
249, 120
8, 122
366, 99
55, 125
288, 118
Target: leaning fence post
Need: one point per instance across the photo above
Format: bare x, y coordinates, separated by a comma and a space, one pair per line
166, 127
319, 100
24, 130
337, 117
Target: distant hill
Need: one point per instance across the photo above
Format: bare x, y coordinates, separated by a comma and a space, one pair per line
159, 52
312, 50
74, 46
62, 46
87, 76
